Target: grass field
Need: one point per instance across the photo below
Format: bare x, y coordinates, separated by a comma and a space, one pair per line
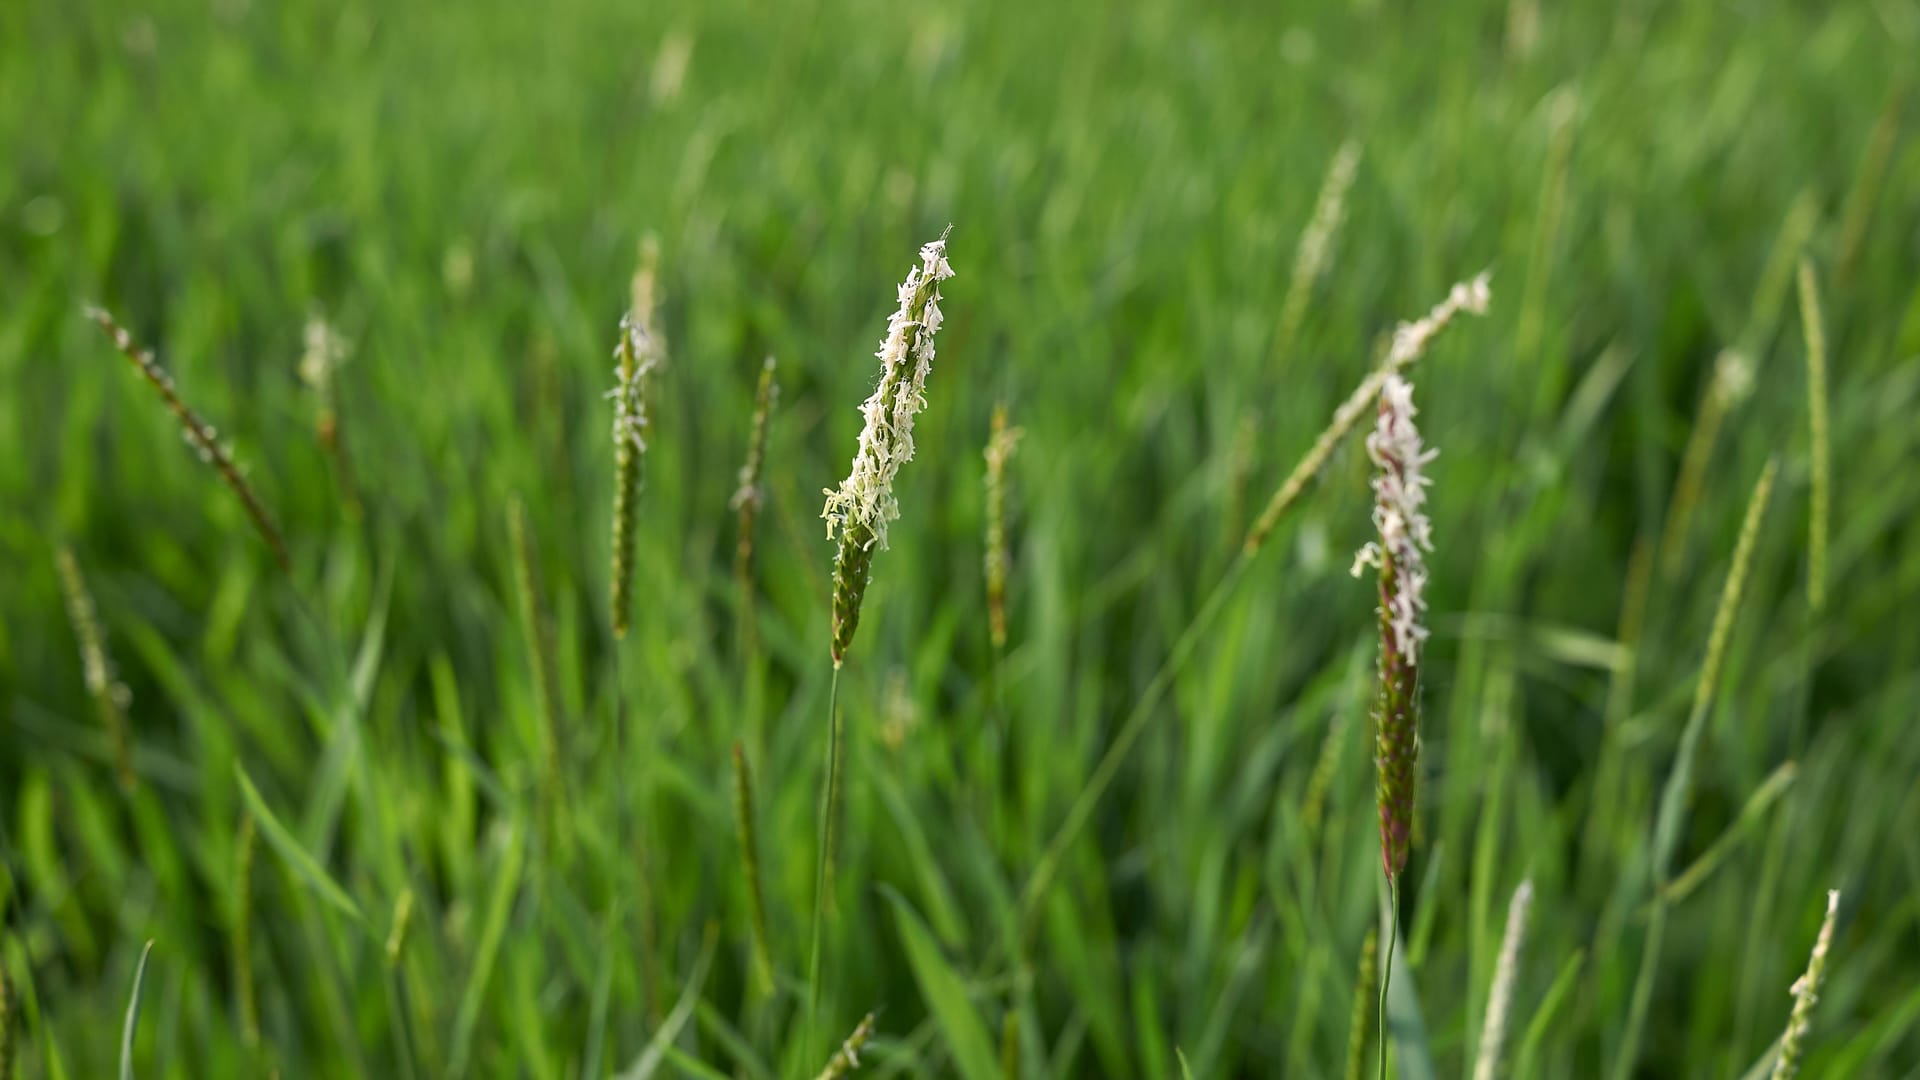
409, 808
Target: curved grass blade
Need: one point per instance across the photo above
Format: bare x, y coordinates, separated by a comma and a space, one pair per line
133, 1015
295, 856
946, 994
660, 1046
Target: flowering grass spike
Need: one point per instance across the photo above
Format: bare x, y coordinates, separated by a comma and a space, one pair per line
637, 353
1405, 535
859, 510
1806, 994
199, 434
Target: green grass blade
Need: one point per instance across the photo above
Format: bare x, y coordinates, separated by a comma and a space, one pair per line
658, 1048
296, 857
499, 908
1542, 1021
946, 995
133, 1014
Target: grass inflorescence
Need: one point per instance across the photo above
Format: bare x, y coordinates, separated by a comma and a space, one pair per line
110, 696
199, 434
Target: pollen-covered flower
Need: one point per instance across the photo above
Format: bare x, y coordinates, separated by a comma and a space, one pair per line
1399, 488
1806, 994
864, 502
637, 353
859, 510
635, 359
325, 351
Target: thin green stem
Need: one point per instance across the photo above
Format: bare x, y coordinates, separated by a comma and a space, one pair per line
1386, 968
823, 865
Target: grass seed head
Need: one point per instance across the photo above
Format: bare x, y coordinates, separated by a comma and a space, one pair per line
1399, 488
748, 497
859, 510
1806, 994
637, 354
198, 433
1493, 1033
1316, 241
1362, 1015
1410, 341
847, 1058
110, 696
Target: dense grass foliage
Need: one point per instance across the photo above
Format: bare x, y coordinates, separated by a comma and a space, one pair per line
461, 191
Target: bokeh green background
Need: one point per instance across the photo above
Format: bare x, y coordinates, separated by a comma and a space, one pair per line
461, 188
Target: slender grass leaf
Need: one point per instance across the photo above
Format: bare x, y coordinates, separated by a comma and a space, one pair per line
946, 995
133, 1014
506, 886
296, 857
656, 1051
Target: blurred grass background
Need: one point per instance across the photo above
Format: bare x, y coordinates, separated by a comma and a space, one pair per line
460, 190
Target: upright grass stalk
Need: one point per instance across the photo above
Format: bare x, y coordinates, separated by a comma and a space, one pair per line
1410, 341
638, 352
1000, 447
750, 862
1493, 1033
1679, 785
199, 434
747, 499
823, 864
1405, 535
847, 1058
540, 658
1362, 1001
858, 511
325, 350
1310, 259
110, 695
1806, 994
1821, 480
242, 944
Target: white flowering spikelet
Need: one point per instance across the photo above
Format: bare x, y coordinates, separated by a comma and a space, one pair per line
1410, 341
635, 359
859, 510
865, 498
637, 353
1400, 490
1493, 1033
325, 350
1806, 994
